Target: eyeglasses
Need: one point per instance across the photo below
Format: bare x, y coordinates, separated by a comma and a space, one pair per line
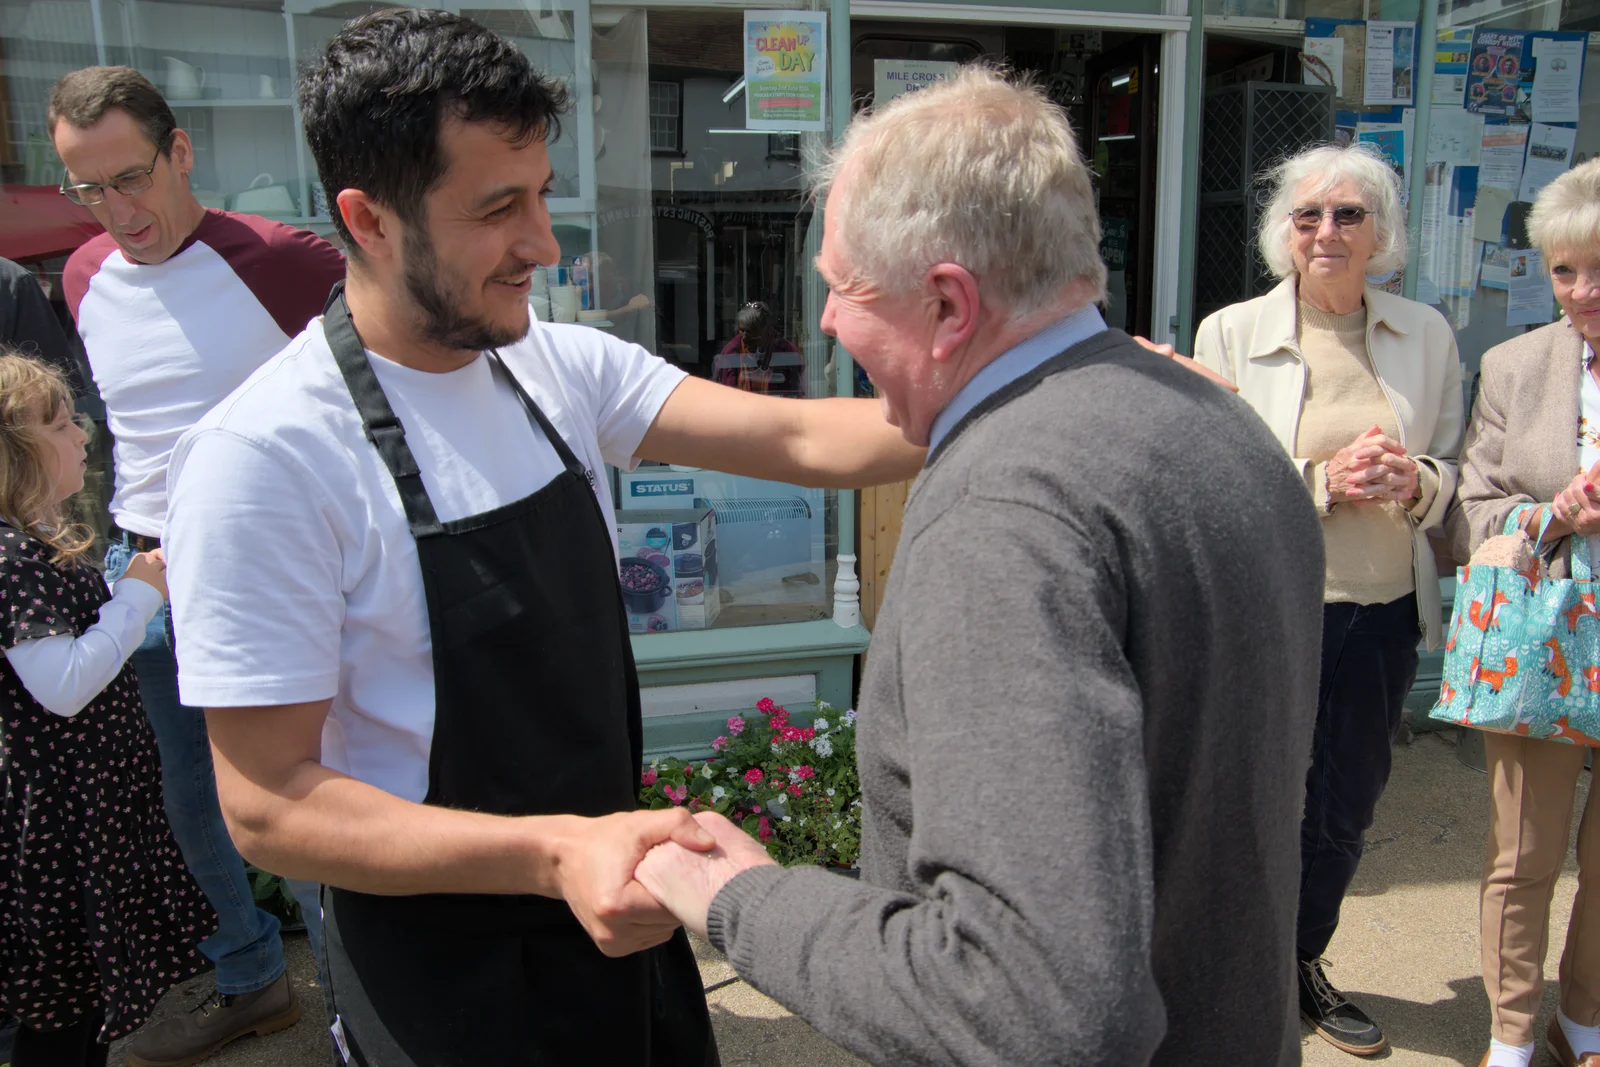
1307, 219
91, 193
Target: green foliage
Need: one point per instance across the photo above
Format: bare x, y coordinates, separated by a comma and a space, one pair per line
272, 895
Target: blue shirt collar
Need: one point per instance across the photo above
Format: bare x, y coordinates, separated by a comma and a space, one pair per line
1013, 364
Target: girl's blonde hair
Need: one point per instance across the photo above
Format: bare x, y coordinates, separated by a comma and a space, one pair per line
31, 392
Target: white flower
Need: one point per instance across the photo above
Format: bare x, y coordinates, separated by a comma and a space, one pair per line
830, 791
850, 716
838, 823
794, 776
717, 792
822, 746
820, 724
787, 819
775, 748
706, 771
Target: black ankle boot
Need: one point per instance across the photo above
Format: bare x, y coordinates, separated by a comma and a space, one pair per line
1330, 1013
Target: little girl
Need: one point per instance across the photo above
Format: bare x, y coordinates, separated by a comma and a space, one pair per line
98, 914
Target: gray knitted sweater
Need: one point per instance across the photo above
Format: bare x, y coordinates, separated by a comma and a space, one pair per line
1084, 734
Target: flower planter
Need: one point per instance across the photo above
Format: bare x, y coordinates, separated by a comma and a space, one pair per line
794, 788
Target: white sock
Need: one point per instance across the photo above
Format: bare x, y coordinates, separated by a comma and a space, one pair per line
1582, 1038
1503, 1055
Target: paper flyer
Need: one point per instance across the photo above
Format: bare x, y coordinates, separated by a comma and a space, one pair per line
786, 70
1393, 141
1391, 50
1549, 156
1324, 60
1500, 156
1459, 257
1355, 63
1555, 79
1494, 73
1450, 67
1496, 272
1448, 255
1455, 135
1489, 213
1530, 300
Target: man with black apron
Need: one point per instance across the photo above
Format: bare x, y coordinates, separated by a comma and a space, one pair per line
396, 586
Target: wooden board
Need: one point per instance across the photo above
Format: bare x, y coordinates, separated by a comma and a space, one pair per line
878, 529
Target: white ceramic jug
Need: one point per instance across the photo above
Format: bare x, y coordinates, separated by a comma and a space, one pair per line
184, 82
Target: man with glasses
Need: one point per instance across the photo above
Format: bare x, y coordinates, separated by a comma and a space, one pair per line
177, 305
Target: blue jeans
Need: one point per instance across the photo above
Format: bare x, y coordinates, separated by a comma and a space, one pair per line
246, 948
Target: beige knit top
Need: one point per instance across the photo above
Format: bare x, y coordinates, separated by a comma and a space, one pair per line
1368, 544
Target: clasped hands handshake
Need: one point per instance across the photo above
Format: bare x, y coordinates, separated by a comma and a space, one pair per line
635, 877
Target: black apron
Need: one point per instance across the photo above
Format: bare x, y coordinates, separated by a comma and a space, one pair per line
536, 712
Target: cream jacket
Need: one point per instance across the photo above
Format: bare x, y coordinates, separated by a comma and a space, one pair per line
1413, 352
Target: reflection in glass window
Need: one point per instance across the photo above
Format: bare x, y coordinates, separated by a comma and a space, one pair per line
694, 234
666, 129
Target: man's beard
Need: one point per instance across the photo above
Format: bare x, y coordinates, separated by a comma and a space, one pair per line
437, 294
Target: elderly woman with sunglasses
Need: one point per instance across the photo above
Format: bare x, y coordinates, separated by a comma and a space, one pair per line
1363, 390
1535, 440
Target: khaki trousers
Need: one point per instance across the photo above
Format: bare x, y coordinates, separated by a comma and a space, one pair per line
1531, 788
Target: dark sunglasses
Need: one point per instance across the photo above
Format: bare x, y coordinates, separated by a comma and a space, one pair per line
1307, 219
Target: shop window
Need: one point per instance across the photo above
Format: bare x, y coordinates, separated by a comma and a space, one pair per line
680, 216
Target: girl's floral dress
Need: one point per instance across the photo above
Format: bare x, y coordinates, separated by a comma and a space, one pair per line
98, 914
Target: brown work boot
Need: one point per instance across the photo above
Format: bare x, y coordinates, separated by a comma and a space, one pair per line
215, 1021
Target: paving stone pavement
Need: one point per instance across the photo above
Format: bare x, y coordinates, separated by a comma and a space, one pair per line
1407, 947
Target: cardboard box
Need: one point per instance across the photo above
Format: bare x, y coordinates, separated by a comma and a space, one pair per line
668, 562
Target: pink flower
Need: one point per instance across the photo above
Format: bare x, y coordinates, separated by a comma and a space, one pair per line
648, 777
719, 744
804, 772
795, 789
764, 829
753, 776
736, 726
789, 733
676, 794
779, 719
755, 809
765, 705
807, 733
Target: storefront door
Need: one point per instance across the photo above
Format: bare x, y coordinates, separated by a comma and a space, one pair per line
1106, 80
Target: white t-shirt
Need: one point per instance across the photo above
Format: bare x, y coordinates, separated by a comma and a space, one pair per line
167, 341
293, 572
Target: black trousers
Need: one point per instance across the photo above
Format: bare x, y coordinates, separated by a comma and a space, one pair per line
70, 1046
1369, 661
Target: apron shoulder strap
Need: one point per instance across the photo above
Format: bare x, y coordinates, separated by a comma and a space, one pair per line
378, 420
537, 416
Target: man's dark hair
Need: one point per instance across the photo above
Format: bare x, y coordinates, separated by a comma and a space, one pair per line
83, 97
375, 100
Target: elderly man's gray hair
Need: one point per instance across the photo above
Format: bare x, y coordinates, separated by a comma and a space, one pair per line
1318, 170
1565, 220
977, 171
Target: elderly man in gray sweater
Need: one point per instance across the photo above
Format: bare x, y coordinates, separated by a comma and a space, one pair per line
1086, 720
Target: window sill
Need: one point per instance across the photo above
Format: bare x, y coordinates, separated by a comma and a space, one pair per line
746, 645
